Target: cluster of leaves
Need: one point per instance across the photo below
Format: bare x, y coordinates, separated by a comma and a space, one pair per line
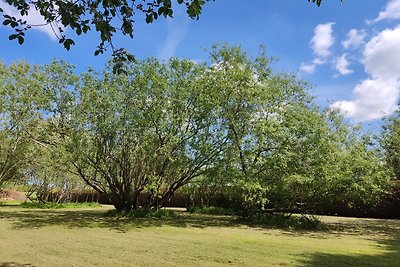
284, 153
143, 213
318, 2
210, 210
17, 118
390, 141
106, 17
304, 222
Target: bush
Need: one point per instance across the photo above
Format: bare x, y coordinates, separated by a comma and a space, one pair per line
143, 213
278, 220
210, 210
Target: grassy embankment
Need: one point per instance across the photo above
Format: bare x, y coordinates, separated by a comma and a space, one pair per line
87, 237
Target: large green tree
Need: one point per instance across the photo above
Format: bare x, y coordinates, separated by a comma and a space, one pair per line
150, 130
284, 152
390, 141
18, 117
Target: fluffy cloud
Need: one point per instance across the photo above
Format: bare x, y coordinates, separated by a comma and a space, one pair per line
382, 54
307, 68
374, 98
320, 43
391, 11
33, 18
379, 95
342, 65
323, 39
354, 39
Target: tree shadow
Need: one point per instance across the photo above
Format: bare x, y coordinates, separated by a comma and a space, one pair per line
98, 218
14, 264
385, 234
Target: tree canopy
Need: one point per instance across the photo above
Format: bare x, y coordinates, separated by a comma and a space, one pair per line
164, 126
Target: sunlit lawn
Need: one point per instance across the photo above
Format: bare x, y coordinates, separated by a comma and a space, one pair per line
85, 237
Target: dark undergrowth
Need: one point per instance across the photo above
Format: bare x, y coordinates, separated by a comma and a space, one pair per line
210, 210
143, 213
285, 221
263, 219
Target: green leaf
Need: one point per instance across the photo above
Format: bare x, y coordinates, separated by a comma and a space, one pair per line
68, 43
20, 39
149, 19
13, 36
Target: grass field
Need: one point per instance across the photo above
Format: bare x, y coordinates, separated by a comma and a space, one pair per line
86, 237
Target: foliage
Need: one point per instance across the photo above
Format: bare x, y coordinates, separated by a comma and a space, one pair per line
318, 2
18, 117
210, 210
231, 129
49, 178
151, 130
107, 18
283, 221
143, 213
390, 142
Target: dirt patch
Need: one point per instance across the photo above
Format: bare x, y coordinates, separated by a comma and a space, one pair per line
11, 194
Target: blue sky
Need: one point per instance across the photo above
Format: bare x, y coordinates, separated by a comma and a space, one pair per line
349, 51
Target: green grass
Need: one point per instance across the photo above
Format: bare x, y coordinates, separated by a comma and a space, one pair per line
87, 237
11, 203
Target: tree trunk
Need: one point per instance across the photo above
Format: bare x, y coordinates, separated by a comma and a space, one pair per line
125, 201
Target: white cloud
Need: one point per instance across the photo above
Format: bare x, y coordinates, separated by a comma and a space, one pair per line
33, 18
382, 54
322, 40
319, 61
374, 99
320, 43
342, 65
307, 68
354, 39
378, 95
177, 28
391, 11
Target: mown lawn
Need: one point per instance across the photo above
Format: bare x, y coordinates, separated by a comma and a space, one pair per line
86, 237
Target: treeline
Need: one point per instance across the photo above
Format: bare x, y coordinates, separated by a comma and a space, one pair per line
230, 127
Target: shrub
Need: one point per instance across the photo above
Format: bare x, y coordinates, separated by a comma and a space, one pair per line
279, 220
210, 210
143, 213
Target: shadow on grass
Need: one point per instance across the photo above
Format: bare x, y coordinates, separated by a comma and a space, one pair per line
384, 233
100, 217
390, 257
14, 264
95, 218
